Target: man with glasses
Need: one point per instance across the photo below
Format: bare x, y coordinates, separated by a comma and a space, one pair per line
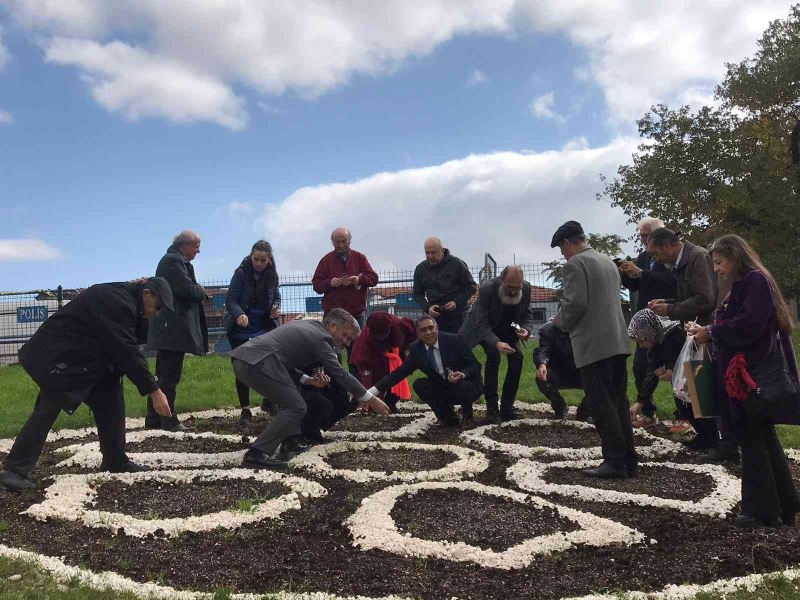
500, 320
649, 279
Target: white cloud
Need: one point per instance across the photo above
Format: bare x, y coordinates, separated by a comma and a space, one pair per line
240, 210
477, 77
504, 203
270, 109
27, 250
543, 107
6, 118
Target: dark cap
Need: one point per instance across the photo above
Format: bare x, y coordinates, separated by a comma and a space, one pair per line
160, 287
570, 229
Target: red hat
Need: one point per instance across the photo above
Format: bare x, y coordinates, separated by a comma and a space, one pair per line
380, 325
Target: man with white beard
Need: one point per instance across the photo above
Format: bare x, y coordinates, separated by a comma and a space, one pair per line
500, 319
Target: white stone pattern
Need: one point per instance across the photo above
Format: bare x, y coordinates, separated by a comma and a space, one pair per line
660, 447
417, 426
467, 463
71, 497
529, 476
542, 407
373, 527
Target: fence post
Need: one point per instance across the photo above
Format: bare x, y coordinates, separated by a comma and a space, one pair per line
60, 296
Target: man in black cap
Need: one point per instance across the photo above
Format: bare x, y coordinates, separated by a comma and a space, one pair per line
80, 355
591, 313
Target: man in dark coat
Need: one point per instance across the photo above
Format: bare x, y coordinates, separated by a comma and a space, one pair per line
79, 355
453, 374
501, 301
556, 370
650, 280
443, 286
175, 333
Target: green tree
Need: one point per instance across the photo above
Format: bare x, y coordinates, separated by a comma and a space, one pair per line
728, 169
608, 244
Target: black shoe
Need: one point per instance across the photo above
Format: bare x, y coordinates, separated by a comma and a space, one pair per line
789, 519
127, 467
509, 414
255, 459
721, 455
314, 436
698, 445
177, 428
633, 467
245, 416
16, 482
748, 522
606, 470
560, 412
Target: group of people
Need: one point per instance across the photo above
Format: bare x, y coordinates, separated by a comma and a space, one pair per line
83, 350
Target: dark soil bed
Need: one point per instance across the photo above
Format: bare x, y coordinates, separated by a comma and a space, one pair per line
229, 425
553, 435
372, 423
476, 519
382, 459
184, 444
660, 482
155, 500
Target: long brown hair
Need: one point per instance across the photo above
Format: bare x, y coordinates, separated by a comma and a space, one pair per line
744, 260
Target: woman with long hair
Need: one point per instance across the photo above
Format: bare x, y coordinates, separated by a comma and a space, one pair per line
253, 303
751, 329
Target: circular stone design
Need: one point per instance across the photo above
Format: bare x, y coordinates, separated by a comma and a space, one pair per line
373, 527
529, 475
542, 407
468, 464
416, 427
660, 447
88, 455
70, 498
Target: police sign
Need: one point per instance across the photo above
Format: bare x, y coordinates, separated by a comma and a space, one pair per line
31, 314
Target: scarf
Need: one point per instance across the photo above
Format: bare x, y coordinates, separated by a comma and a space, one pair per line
402, 389
647, 326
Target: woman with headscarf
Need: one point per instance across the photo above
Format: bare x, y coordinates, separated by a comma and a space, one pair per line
664, 340
379, 349
751, 332
253, 303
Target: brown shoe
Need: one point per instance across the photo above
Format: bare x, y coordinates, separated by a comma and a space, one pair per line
643, 421
680, 426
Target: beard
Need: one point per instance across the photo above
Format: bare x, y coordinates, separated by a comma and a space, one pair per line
509, 298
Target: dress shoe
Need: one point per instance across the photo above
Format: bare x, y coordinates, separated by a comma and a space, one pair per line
245, 416
721, 454
178, 428
560, 412
15, 482
126, 467
509, 414
255, 459
698, 445
293, 444
747, 522
314, 436
606, 470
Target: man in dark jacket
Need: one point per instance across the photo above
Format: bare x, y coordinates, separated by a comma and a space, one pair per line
79, 355
443, 286
453, 374
556, 370
650, 280
175, 333
501, 302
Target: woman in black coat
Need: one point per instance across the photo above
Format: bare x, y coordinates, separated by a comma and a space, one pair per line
253, 303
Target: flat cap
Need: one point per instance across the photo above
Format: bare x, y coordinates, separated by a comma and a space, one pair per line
569, 229
160, 287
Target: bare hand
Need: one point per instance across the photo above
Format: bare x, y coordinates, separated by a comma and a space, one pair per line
434, 311
665, 375
522, 334
160, 403
636, 409
541, 372
336, 282
660, 307
629, 268
699, 333
242, 321
377, 405
275, 313
319, 380
504, 348
455, 376
449, 306
352, 280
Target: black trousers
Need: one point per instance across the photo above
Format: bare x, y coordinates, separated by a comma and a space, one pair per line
169, 365
706, 429
558, 380
768, 490
442, 396
639, 373
450, 321
325, 407
605, 383
492, 368
107, 402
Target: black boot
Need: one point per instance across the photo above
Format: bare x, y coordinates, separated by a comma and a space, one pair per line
492, 411
507, 411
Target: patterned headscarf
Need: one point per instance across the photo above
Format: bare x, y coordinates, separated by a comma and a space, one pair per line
647, 326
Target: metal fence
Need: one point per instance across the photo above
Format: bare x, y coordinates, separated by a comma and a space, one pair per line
21, 313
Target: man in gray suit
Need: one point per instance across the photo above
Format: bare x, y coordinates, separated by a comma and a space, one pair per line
266, 363
592, 315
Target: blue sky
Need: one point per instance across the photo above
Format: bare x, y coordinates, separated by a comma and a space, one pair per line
487, 124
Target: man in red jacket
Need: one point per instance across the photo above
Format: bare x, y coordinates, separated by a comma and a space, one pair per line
342, 277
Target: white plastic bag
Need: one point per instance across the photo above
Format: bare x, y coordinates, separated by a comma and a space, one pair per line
691, 351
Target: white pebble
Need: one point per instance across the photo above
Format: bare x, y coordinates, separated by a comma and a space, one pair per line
16, 577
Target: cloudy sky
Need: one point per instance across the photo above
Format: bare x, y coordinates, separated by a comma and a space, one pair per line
485, 122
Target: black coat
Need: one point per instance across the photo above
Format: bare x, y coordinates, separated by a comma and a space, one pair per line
654, 283
487, 313
447, 280
555, 350
183, 330
455, 355
97, 332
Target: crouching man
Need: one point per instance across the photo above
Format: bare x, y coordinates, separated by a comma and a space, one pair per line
80, 355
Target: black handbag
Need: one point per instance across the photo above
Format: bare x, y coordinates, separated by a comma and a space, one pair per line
778, 393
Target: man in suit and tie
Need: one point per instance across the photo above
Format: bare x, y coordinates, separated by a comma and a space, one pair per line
591, 313
453, 374
266, 364
501, 301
